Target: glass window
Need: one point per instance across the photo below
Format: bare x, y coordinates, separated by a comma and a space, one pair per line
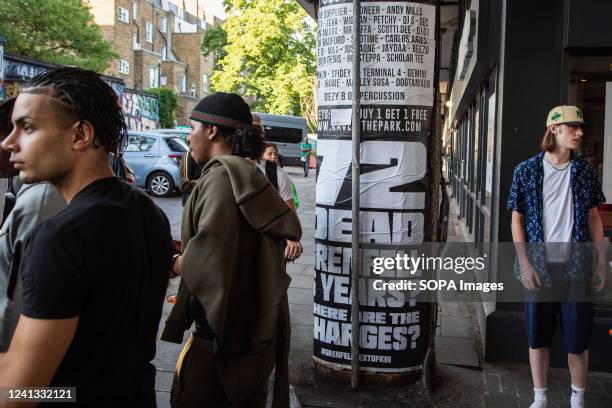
590, 88
176, 144
183, 84
123, 15
153, 77
476, 178
124, 67
163, 24
134, 10
164, 53
490, 142
137, 143
149, 31
282, 135
136, 42
205, 83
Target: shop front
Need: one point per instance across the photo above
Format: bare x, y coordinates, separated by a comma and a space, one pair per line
544, 54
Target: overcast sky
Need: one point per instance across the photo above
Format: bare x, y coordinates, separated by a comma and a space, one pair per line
215, 7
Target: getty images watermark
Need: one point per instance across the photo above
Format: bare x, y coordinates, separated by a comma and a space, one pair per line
414, 265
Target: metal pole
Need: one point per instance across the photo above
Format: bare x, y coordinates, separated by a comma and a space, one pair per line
356, 140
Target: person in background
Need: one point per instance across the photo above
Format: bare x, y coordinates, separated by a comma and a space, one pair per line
554, 198
34, 204
277, 176
281, 181
305, 149
271, 154
94, 276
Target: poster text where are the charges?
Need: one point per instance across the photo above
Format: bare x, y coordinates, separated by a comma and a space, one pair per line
397, 53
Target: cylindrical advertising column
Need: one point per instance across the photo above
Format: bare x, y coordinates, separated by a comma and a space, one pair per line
397, 94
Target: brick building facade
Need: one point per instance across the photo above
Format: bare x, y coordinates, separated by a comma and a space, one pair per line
158, 45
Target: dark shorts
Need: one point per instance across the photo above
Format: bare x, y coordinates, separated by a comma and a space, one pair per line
574, 317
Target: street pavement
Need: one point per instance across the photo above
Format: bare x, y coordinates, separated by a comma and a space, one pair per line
463, 379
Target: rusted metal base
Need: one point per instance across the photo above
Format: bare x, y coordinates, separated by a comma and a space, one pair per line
342, 375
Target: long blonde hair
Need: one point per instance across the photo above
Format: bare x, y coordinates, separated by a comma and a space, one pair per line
549, 142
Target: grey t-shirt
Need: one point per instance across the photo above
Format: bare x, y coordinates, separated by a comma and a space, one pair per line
35, 203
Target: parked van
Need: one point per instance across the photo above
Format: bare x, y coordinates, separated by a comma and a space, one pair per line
286, 132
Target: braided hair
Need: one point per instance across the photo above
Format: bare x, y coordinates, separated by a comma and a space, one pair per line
85, 97
247, 142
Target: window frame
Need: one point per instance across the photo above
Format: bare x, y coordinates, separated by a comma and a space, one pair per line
153, 77
123, 15
136, 41
123, 67
128, 149
183, 83
205, 84
149, 31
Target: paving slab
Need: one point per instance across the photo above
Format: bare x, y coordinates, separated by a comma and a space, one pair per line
301, 315
308, 270
301, 338
300, 296
453, 326
302, 282
295, 269
456, 351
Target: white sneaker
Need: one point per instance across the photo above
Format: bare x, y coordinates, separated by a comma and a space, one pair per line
539, 404
577, 400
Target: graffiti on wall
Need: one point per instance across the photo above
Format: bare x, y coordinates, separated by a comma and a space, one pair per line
19, 70
117, 86
141, 110
22, 70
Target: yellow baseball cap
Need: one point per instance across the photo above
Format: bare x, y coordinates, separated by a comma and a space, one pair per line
569, 115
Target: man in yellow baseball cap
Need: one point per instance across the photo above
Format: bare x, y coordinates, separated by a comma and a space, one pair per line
554, 198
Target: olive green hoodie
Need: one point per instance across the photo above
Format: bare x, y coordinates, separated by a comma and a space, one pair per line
233, 233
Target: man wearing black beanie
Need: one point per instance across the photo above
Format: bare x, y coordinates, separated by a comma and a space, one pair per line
234, 282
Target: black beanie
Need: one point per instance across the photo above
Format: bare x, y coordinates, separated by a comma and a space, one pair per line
223, 109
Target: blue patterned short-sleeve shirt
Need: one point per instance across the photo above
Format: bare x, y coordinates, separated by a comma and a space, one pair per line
526, 198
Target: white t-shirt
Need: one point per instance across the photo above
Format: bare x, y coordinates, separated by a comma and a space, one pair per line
558, 210
282, 179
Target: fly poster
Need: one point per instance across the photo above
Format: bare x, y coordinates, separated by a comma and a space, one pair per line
397, 59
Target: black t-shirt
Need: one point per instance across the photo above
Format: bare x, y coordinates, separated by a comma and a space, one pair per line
105, 258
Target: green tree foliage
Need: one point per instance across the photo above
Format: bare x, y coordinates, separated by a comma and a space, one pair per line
214, 41
57, 31
168, 102
270, 55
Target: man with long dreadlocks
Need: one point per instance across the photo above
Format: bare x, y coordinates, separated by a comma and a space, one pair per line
94, 276
234, 284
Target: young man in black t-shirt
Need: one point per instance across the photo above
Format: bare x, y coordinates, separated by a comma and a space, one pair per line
95, 275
